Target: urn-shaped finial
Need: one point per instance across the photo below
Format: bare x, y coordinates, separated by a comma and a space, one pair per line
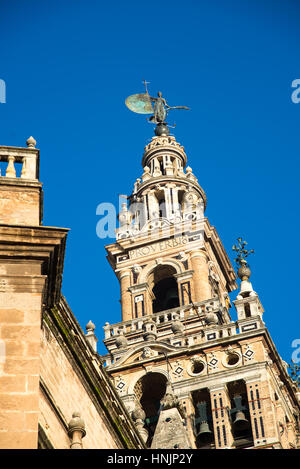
90, 326
121, 341
244, 271
76, 423
31, 142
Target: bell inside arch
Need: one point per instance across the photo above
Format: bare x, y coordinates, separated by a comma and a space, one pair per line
204, 434
171, 300
240, 422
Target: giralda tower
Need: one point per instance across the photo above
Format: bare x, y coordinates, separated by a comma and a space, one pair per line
189, 375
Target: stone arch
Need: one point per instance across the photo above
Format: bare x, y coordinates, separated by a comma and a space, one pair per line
149, 390
142, 373
161, 278
153, 265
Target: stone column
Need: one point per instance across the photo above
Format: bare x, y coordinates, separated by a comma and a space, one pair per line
202, 290
222, 427
124, 278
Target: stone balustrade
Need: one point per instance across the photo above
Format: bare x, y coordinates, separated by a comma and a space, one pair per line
163, 318
28, 158
184, 326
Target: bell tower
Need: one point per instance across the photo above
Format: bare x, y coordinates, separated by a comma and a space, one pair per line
190, 375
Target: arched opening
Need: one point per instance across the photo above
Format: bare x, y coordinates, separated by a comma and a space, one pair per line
164, 288
150, 389
240, 415
203, 423
247, 310
160, 196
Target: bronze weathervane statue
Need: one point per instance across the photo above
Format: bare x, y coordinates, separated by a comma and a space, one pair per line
143, 103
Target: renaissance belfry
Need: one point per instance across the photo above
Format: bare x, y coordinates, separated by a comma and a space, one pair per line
189, 375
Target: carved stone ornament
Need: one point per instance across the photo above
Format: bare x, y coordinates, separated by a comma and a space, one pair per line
121, 341
136, 269
169, 400
178, 369
197, 359
182, 256
147, 353
120, 384
249, 353
138, 413
177, 326
213, 361
211, 318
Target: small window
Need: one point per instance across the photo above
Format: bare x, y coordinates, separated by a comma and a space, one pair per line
197, 367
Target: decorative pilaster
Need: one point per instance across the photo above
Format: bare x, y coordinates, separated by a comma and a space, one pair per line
220, 404
261, 413
201, 283
125, 294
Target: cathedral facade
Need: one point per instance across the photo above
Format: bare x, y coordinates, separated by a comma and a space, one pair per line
180, 373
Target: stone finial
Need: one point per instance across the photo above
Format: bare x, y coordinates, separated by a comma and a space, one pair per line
146, 175
177, 326
243, 271
76, 430
90, 326
90, 335
31, 142
211, 318
121, 341
150, 331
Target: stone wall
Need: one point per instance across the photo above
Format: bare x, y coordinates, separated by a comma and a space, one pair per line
19, 378
65, 393
20, 204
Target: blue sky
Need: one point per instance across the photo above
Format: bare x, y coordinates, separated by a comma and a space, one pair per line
68, 67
